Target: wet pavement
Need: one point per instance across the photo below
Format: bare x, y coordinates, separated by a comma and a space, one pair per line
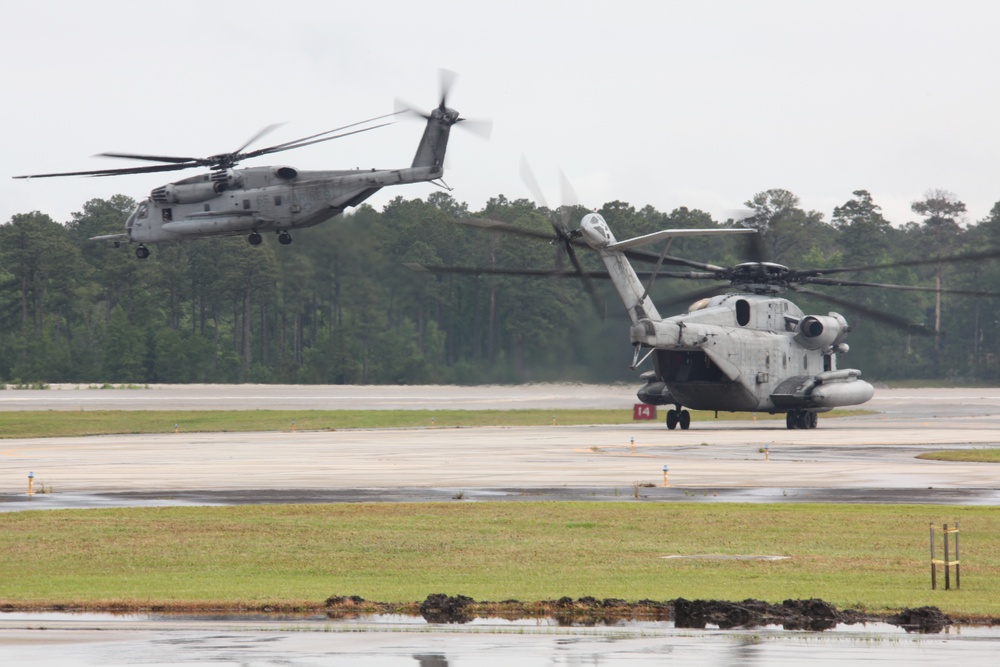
404, 641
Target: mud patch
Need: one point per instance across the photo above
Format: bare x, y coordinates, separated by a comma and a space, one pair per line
812, 615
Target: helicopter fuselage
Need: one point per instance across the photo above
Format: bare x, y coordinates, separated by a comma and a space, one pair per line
749, 353
258, 199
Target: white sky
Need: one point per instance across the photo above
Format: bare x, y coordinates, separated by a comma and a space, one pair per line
667, 103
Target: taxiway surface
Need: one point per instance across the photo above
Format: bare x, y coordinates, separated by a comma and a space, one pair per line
861, 458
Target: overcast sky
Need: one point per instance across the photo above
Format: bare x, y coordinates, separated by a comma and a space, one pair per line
665, 103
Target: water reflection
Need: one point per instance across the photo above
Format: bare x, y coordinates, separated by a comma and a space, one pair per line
432, 660
389, 640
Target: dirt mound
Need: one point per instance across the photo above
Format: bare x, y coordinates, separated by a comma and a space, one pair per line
441, 608
813, 614
790, 614
925, 620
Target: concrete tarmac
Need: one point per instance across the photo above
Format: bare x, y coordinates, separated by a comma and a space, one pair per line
857, 459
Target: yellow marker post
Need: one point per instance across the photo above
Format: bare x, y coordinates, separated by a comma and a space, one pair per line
31, 483
632, 442
293, 426
767, 453
666, 481
177, 428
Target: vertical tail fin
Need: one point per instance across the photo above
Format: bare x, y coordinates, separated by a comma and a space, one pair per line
630, 288
434, 143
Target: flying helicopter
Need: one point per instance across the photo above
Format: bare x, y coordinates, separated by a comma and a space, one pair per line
228, 201
746, 349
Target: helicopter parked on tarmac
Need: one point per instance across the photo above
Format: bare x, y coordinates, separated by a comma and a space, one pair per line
229, 201
746, 349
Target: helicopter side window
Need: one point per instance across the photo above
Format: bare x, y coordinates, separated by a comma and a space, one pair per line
743, 312
277, 200
168, 214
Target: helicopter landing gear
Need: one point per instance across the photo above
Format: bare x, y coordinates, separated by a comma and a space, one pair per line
801, 419
142, 252
677, 418
284, 238
254, 238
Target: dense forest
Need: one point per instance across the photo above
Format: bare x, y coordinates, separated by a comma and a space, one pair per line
340, 306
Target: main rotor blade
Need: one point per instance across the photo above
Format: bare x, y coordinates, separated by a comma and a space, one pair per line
116, 172
150, 158
545, 273
175, 163
833, 282
260, 133
878, 315
305, 141
300, 143
993, 253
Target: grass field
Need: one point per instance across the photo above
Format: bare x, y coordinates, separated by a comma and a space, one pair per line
30, 424
870, 557
971, 455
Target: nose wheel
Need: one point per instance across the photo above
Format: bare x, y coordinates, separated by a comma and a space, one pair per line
284, 238
254, 238
142, 252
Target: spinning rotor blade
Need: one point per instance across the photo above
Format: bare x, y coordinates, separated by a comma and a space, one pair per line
447, 82
912, 288
877, 315
263, 131
967, 257
528, 176
221, 161
115, 172
587, 283
299, 143
480, 127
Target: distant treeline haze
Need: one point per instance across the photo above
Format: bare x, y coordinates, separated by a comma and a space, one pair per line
338, 306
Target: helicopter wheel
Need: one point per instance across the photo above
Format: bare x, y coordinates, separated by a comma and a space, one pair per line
673, 418
142, 252
254, 238
284, 238
684, 418
812, 420
792, 419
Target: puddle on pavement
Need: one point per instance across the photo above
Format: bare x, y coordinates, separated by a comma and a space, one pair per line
49, 638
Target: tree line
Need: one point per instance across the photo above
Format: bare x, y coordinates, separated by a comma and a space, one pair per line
340, 306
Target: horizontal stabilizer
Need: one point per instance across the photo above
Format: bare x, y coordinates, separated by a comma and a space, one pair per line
671, 233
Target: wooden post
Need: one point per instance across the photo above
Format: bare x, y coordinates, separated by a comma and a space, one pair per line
957, 559
933, 564
947, 564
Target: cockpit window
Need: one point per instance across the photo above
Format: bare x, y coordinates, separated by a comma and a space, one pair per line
142, 211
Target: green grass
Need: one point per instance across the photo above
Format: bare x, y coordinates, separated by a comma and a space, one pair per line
862, 556
30, 424
970, 455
